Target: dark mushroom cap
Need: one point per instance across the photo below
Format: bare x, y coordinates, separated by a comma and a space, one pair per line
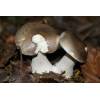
73, 46
27, 31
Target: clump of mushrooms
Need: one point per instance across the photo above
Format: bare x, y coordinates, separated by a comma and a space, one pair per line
39, 39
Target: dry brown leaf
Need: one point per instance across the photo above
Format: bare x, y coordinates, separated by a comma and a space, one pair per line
91, 70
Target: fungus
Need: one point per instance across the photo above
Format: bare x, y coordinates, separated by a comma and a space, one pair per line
39, 39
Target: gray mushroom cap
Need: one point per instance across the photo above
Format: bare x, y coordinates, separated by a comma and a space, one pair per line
26, 32
73, 46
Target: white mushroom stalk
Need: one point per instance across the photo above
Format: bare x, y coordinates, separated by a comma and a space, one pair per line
40, 64
64, 65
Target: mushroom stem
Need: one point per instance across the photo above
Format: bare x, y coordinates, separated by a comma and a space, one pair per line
65, 65
40, 64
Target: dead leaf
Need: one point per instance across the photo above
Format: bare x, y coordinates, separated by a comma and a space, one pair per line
91, 70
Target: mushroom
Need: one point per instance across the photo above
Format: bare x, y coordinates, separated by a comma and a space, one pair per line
27, 35
76, 51
39, 39
73, 46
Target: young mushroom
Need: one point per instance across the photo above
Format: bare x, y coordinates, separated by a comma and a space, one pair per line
39, 39
75, 49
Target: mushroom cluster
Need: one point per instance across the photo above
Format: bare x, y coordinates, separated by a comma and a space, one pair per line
40, 39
